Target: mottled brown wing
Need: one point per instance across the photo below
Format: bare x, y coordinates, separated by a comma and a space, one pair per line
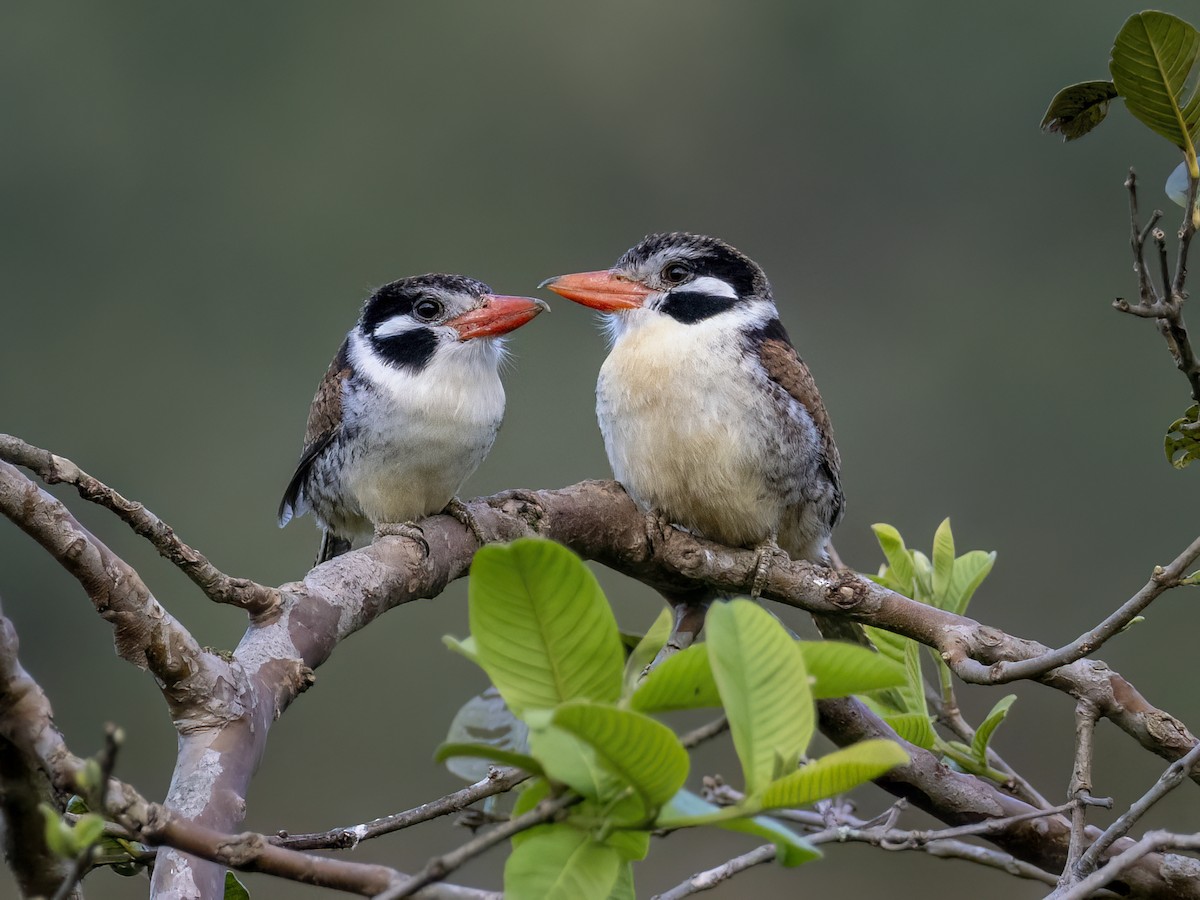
786, 369
324, 420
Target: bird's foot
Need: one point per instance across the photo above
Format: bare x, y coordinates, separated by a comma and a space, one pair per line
522, 503
456, 509
657, 524
767, 552
410, 530
688, 621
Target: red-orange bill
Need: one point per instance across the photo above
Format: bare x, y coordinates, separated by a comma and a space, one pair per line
498, 315
599, 290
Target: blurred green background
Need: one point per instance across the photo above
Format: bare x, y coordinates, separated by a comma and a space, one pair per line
194, 199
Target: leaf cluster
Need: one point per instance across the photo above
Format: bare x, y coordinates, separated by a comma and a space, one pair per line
546, 636
1153, 64
947, 582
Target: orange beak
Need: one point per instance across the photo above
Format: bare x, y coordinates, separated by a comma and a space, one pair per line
498, 315
599, 290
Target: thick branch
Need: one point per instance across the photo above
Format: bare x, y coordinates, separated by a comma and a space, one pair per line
29, 743
1037, 838
275, 659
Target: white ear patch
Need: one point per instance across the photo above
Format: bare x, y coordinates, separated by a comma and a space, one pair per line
397, 324
714, 287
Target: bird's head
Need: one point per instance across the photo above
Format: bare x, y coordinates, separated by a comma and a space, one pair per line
405, 323
688, 277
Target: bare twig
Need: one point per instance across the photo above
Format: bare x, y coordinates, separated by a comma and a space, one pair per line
710, 878
697, 736
1080, 788
497, 782
1161, 580
1166, 308
1153, 842
256, 599
1137, 242
725, 795
1167, 782
441, 866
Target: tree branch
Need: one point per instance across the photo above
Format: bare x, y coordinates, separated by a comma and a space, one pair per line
28, 747
497, 782
1033, 835
145, 634
1167, 782
1153, 842
441, 866
274, 661
256, 599
1165, 308
710, 878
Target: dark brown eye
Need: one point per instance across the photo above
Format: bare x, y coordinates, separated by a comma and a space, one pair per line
427, 310
676, 273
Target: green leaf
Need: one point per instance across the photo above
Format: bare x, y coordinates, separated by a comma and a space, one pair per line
683, 680
791, 848
465, 648
643, 753
909, 698
87, 778
833, 774
839, 669
632, 844
623, 888
764, 687
1078, 108
561, 863
543, 629
913, 727
943, 561
900, 562
485, 720
88, 830
969, 571
57, 833
529, 795
1153, 66
922, 577
1182, 443
646, 649
234, 889
490, 753
983, 734
571, 761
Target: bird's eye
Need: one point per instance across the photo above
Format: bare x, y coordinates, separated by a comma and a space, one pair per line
676, 273
427, 310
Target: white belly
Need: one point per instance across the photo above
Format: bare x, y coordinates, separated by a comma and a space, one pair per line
418, 438
683, 425
414, 469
